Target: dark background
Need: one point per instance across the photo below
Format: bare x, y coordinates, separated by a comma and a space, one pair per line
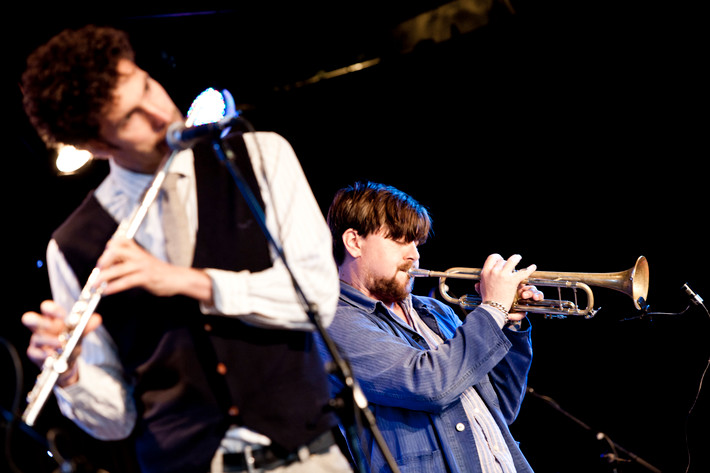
568, 132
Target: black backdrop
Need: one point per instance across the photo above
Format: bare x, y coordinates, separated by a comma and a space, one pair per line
570, 135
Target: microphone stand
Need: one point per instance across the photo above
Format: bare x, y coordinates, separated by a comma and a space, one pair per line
613, 457
355, 397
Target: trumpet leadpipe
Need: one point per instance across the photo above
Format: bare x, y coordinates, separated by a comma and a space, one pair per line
427, 273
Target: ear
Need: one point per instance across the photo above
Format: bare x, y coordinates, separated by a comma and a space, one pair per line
351, 241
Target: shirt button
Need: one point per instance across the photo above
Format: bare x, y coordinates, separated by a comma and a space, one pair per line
233, 411
221, 368
208, 328
460, 427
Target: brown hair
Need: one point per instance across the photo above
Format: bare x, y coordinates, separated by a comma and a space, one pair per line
70, 79
368, 207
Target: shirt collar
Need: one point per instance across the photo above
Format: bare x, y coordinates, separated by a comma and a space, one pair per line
133, 183
127, 182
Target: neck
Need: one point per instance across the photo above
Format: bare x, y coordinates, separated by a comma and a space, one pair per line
397, 309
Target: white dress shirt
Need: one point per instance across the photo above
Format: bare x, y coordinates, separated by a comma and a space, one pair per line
101, 403
492, 451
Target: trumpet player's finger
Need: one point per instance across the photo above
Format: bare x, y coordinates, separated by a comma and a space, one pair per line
525, 273
492, 261
531, 292
516, 316
498, 263
510, 264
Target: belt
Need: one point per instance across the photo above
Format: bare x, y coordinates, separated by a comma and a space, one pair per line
267, 458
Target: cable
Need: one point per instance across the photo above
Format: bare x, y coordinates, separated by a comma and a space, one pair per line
697, 300
15, 409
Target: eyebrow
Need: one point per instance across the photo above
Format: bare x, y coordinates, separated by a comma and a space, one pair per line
126, 116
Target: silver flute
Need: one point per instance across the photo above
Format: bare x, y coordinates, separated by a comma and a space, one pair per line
84, 307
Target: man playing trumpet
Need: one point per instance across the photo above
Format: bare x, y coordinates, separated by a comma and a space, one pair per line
443, 391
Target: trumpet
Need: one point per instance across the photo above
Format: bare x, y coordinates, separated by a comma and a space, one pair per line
632, 282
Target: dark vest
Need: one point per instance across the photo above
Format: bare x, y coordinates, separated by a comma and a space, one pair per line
195, 375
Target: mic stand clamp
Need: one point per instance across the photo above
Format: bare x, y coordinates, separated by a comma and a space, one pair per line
614, 458
695, 300
359, 402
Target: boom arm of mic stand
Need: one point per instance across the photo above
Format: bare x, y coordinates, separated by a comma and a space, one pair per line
226, 155
599, 435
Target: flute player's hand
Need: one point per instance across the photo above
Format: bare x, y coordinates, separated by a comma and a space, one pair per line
48, 327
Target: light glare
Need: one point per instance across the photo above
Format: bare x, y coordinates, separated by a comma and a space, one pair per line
208, 107
70, 159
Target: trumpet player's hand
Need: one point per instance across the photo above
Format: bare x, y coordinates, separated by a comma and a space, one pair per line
47, 327
125, 265
501, 282
525, 292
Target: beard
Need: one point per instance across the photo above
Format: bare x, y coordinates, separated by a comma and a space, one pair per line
389, 289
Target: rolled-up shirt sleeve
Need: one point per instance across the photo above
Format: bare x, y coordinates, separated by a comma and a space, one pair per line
100, 403
294, 219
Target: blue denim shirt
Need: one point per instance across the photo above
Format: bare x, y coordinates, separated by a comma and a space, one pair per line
414, 392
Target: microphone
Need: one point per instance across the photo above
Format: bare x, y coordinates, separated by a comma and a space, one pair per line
694, 298
180, 136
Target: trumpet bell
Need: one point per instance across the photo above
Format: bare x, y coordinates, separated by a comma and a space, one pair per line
639, 278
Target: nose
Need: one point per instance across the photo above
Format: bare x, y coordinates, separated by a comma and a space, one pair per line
157, 116
412, 252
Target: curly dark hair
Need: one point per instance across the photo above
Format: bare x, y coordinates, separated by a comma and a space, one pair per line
369, 207
70, 79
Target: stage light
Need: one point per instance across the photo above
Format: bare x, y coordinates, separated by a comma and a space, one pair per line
210, 106
70, 159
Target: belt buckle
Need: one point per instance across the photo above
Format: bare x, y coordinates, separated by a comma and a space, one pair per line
249, 459
303, 453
